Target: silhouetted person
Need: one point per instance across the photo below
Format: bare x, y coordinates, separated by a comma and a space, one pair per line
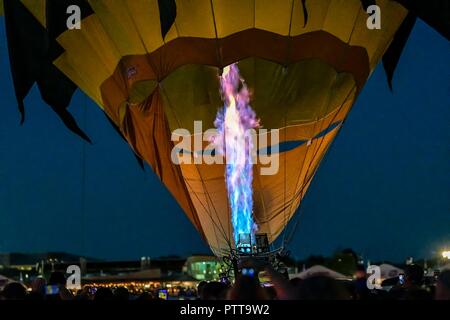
103, 294
200, 287
284, 289
215, 291
145, 296
65, 294
413, 276
322, 288
56, 285
14, 291
122, 294
57, 279
443, 286
295, 282
271, 293
84, 294
361, 291
247, 288
37, 289
411, 289
38, 285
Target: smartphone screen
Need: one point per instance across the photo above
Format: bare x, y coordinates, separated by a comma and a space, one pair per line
51, 290
162, 294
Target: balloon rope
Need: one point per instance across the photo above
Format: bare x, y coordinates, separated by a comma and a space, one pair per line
83, 179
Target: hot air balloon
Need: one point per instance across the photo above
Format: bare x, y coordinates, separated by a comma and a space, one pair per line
153, 67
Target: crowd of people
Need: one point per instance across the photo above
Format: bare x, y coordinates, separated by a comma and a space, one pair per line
248, 287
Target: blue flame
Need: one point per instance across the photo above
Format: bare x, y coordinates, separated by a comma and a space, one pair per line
240, 195
233, 123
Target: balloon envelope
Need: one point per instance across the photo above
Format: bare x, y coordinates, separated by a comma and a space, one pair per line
304, 64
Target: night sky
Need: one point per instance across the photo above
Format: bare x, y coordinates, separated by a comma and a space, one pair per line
383, 189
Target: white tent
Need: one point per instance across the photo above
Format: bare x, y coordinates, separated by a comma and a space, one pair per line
318, 270
446, 267
389, 271
4, 281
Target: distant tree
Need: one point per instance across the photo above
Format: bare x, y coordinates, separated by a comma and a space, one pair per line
313, 260
289, 261
344, 262
351, 252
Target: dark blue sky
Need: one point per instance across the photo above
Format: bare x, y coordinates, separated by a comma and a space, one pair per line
383, 188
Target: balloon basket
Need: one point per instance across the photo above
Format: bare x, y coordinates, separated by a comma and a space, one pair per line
253, 252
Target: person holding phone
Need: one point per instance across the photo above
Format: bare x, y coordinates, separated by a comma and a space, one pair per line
56, 287
409, 286
162, 294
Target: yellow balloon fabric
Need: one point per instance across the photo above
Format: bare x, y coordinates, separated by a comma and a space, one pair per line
304, 77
